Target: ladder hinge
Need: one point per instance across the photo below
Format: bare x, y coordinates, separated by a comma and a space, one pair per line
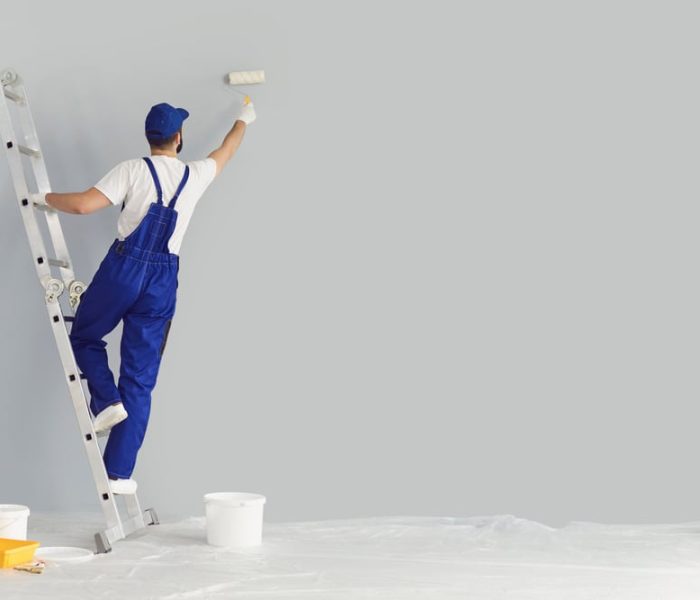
54, 288
75, 291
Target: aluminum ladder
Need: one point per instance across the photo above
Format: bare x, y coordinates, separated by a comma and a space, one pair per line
24, 155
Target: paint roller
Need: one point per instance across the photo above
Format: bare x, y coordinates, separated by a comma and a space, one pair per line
245, 78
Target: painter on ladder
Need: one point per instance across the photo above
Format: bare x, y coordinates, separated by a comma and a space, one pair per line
137, 280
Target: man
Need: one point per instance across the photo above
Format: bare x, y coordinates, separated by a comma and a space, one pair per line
137, 280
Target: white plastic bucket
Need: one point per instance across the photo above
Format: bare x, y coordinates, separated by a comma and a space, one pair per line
13, 521
234, 518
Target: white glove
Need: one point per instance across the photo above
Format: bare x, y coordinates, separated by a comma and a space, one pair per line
247, 113
39, 199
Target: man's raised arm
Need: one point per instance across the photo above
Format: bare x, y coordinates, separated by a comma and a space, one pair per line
233, 138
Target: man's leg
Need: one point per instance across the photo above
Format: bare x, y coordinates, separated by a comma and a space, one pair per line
142, 341
101, 308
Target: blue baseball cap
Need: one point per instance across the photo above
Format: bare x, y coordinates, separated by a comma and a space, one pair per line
164, 121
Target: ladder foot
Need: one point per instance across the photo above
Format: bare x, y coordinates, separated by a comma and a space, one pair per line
103, 546
152, 515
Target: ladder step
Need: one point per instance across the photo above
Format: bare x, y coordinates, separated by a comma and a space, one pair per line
54, 262
29, 151
69, 319
14, 97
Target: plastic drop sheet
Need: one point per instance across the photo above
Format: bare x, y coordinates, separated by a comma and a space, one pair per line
385, 558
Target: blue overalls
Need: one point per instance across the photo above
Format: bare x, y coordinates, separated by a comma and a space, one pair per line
136, 282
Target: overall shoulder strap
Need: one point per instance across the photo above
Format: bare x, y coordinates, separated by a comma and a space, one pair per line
185, 177
156, 181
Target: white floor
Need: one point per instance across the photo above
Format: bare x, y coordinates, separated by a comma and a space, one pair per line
388, 558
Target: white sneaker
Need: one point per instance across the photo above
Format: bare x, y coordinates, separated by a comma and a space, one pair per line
109, 417
122, 486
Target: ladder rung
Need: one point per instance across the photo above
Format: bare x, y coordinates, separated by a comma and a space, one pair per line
44, 207
68, 319
29, 151
14, 97
55, 262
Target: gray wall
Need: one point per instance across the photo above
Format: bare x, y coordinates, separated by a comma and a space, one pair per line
452, 271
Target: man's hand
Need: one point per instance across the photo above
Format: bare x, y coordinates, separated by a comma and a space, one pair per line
39, 199
247, 113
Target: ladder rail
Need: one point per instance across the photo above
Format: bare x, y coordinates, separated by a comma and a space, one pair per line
65, 351
41, 176
77, 393
36, 240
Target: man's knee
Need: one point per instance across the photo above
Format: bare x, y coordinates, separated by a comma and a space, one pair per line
78, 342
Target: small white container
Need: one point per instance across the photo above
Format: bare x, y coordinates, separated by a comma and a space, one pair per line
234, 519
13, 521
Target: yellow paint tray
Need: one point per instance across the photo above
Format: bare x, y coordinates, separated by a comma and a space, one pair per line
16, 552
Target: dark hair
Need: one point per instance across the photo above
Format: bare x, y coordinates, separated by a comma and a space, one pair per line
163, 143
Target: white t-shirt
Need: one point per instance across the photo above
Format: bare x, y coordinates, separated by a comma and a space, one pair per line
131, 182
